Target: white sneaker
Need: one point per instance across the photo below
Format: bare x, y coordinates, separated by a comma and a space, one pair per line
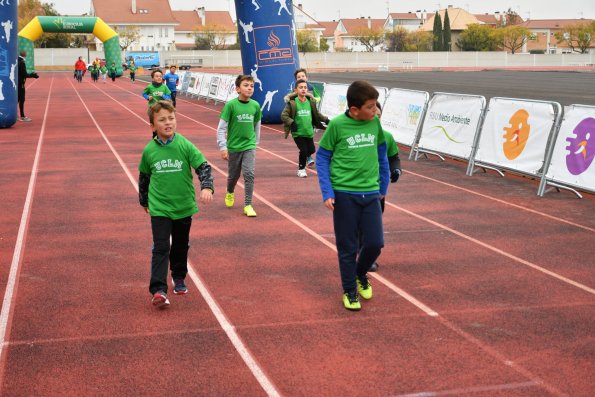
302, 173
24, 119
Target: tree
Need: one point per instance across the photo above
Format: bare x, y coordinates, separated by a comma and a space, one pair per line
29, 9
370, 38
210, 37
477, 38
323, 45
396, 40
577, 36
512, 37
511, 18
437, 33
419, 41
446, 36
128, 36
306, 41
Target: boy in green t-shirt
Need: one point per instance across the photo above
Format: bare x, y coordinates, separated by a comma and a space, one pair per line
166, 192
238, 133
299, 117
112, 71
353, 176
302, 74
132, 69
156, 90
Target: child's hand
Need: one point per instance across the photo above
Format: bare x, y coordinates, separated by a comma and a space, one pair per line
146, 209
330, 203
224, 155
159, 93
206, 196
150, 98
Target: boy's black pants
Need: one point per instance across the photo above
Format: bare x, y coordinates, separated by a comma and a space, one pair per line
357, 216
306, 147
176, 255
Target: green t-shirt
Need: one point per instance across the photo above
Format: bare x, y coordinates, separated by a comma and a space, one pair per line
391, 146
354, 143
303, 119
151, 90
171, 190
241, 117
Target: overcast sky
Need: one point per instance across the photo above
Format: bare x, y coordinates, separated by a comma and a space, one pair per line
327, 10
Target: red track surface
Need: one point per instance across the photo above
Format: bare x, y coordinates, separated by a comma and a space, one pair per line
484, 289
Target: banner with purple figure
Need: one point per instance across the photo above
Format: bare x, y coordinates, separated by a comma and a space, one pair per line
8, 63
574, 152
269, 51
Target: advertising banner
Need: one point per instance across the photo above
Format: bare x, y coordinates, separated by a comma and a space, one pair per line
334, 101
268, 46
205, 85
402, 113
574, 151
515, 134
450, 124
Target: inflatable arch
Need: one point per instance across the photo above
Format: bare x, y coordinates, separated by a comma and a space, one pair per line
40, 25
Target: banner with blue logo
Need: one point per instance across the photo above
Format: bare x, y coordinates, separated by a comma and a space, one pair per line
8, 64
268, 45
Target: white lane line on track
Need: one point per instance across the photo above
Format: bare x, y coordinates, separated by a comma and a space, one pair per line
225, 324
471, 390
20, 241
470, 338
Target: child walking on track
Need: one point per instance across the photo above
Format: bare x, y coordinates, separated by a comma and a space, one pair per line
166, 192
353, 176
238, 134
299, 117
172, 80
156, 90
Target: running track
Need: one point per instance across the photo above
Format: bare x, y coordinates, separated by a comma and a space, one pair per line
484, 289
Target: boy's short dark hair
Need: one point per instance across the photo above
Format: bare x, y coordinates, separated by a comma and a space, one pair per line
157, 107
298, 71
243, 77
155, 71
300, 81
359, 92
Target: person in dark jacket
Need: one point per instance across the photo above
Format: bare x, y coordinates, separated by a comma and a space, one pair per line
299, 117
23, 75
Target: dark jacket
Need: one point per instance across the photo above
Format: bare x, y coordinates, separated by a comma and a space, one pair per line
288, 115
22, 73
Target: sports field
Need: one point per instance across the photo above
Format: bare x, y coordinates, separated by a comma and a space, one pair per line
484, 289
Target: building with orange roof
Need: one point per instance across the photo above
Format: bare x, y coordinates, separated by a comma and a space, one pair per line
191, 22
543, 33
459, 20
154, 19
410, 21
348, 30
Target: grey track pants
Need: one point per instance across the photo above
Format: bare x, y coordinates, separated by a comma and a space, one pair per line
244, 162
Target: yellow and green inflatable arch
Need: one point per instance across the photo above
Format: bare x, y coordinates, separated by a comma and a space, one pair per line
58, 24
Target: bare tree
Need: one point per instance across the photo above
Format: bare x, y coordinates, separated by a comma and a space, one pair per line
210, 37
370, 38
128, 36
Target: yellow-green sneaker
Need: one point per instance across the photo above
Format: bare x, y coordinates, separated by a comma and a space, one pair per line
364, 288
351, 301
249, 211
229, 200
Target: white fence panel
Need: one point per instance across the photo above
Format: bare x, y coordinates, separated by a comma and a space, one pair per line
205, 85
573, 153
516, 133
402, 114
451, 123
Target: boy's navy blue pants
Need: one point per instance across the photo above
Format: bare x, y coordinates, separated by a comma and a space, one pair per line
355, 217
176, 255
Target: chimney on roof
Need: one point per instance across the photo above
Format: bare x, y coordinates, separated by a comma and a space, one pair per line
300, 6
201, 14
369, 23
134, 6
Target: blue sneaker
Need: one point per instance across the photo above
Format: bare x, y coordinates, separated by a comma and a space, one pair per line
180, 287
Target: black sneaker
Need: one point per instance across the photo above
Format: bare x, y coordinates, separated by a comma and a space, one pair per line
374, 267
180, 287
